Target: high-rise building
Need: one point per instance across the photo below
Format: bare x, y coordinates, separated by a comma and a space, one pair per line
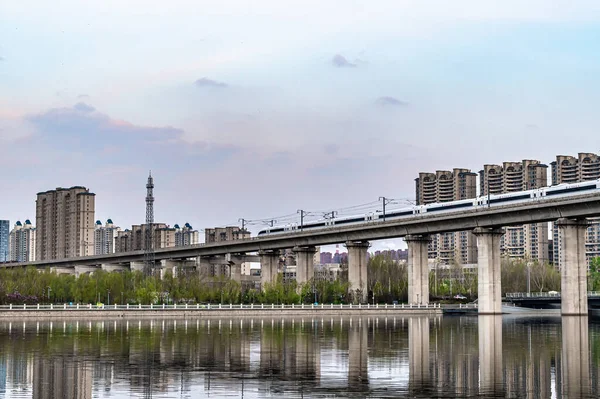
568, 169
65, 223
444, 186
4, 240
230, 233
104, 237
134, 239
527, 241
22, 242
185, 235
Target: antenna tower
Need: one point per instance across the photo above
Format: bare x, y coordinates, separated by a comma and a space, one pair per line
149, 233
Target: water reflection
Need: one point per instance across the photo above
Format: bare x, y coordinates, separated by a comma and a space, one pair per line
482, 356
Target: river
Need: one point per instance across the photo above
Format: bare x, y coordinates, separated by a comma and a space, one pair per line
441, 356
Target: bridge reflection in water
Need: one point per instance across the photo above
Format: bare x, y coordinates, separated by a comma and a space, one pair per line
378, 357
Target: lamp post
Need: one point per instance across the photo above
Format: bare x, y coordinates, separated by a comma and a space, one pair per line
108, 297
122, 298
49, 289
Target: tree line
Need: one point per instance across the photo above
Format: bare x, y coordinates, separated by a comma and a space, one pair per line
387, 282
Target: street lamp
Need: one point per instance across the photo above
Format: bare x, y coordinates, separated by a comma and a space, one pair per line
122, 298
108, 299
49, 289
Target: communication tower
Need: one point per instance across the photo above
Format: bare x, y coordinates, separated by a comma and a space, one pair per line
149, 233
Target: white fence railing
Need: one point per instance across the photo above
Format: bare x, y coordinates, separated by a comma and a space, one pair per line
209, 307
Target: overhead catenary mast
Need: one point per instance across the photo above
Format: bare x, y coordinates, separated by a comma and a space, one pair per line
149, 263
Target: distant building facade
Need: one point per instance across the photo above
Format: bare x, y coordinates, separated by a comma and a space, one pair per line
186, 235
569, 169
22, 242
4, 240
444, 186
133, 239
220, 234
65, 223
104, 237
526, 241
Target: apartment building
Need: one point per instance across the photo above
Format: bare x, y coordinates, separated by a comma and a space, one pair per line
134, 239
104, 237
444, 186
65, 223
22, 242
230, 233
526, 241
185, 235
569, 169
4, 240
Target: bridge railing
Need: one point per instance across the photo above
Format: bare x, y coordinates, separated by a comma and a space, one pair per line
212, 307
533, 295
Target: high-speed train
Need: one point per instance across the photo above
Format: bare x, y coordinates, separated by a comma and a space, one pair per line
544, 193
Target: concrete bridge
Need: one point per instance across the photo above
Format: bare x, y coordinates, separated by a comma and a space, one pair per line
546, 298
486, 224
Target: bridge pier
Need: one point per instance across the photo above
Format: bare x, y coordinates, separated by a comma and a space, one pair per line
136, 266
269, 267
489, 267
575, 364
112, 268
358, 346
418, 268
305, 264
235, 268
573, 272
357, 269
83, 269
62, 270
418, 353
490, 354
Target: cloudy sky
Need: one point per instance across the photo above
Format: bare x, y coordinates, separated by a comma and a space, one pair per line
254, 109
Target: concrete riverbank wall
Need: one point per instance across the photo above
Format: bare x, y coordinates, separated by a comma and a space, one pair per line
100, 314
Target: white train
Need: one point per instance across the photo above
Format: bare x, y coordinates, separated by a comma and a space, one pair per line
558, 191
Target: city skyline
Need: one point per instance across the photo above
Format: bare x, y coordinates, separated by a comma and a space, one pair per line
369, 97
396, 244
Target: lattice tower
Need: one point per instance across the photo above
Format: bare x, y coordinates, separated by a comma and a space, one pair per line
149, 261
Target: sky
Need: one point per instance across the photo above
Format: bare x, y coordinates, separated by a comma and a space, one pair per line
256, 109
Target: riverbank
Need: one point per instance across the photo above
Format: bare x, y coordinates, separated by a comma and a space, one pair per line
98, 314
194, 311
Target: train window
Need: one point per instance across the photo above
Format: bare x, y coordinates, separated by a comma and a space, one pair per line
397, 214
456, 206
570, 190
508, 199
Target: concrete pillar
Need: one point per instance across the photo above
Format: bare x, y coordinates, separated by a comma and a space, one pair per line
491, 378
62, 270
84, 269
137, 266
358, 345
575, 365
269, 265
418, 353
418, 268
235, 272
113, 268
171, 265
357, 270
488, 259
573, 272
305, 266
